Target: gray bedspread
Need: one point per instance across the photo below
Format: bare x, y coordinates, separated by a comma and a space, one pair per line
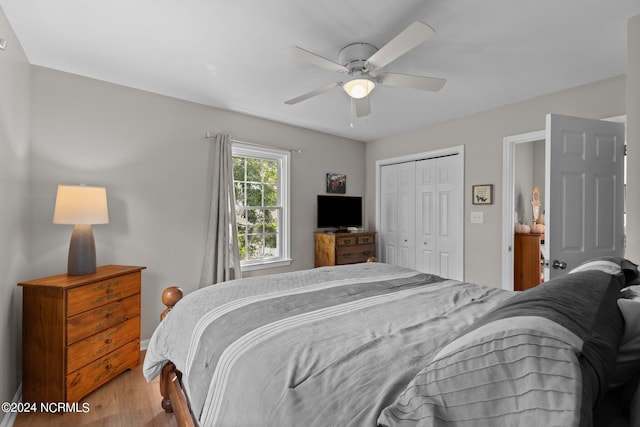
377, 345
332, 346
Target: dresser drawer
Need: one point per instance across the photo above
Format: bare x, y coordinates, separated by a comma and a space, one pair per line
88, 323
95, 346
92, 376
94, 295
347, 241
356, 254
366, 240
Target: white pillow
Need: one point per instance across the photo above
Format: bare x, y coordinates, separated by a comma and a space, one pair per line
628, 361
630, 344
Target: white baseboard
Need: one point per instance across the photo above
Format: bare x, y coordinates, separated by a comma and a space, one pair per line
10, 417
143, 346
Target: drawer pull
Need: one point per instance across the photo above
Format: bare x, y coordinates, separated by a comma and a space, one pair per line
108, 341
347, 241
366, 252
109, 315
109, 366
109, 291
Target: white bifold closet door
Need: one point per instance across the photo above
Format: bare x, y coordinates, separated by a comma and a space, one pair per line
422, 213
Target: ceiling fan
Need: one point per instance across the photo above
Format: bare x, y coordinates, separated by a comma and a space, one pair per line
363, 63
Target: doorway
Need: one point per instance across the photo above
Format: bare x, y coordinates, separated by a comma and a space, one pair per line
509, 221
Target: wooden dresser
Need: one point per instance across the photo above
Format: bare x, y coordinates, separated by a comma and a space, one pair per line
527, 261
78, 332
344, 248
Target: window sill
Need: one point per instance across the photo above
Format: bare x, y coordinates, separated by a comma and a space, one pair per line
259, 265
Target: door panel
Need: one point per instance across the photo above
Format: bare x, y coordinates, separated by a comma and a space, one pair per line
406, 215
585, 191
388, 219
426, 216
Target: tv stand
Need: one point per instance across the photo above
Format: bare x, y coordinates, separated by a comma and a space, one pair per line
339, 248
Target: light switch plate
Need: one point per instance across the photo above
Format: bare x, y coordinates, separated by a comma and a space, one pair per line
477, 217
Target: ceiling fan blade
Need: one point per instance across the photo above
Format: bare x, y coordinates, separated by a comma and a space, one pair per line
318, 60
432, 84
311, 94
363, 107
411, 37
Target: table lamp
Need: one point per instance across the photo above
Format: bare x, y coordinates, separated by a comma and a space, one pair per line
81, 206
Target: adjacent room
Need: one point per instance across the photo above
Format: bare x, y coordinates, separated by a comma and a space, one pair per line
344, 166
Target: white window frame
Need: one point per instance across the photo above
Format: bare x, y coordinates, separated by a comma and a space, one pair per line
283, 157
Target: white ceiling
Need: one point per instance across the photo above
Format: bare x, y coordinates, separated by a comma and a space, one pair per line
232, 54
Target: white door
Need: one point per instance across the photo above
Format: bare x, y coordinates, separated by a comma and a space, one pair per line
585, 192
388, 228
439, 216
426, 215
406, 215
396, 214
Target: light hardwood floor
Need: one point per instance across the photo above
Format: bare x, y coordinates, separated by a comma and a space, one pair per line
126, 401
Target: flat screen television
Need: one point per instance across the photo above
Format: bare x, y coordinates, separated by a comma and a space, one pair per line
339, 212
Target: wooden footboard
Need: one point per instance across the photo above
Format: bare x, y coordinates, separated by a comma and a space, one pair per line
174, 398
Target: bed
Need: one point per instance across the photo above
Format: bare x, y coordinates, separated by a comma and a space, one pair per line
378, 345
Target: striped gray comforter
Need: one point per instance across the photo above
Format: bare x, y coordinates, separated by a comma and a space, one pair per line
325, 347
339, 346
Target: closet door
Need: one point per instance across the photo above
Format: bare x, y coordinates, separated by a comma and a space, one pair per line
439, 216
397, 233
422, 215
388, 232
397, 216
426, 216
406, 215
450, 217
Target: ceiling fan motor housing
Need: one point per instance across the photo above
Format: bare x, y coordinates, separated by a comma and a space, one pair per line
355, 55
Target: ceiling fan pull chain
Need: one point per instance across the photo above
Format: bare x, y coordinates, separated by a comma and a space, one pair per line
353, 112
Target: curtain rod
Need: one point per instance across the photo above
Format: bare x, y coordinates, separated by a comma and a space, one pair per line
211, 135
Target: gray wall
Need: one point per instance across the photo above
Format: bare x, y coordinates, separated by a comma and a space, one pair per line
149, 151
14, 224
482, 135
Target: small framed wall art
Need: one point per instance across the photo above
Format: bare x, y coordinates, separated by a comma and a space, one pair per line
336, 183
482, 194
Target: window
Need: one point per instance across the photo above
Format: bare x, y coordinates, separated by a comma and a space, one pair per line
261, 184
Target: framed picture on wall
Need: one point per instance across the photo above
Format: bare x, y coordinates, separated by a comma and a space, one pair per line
336, 183
482, 194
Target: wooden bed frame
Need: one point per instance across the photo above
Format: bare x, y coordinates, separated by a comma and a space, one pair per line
174, 398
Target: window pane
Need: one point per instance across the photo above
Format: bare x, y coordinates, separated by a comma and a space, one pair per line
271, 244
255, 246
271, 220
270, 195
242, 245
270, 172
239, 191
238, 168
254, 194
254, 170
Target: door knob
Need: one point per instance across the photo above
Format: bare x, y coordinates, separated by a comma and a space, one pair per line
559, 264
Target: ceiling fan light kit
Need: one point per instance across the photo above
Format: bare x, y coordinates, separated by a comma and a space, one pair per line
363, 62
358, 87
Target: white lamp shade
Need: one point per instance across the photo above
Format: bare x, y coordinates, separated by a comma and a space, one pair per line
78, 204
358, 88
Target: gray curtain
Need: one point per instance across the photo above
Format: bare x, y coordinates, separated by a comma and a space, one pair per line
221, 256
